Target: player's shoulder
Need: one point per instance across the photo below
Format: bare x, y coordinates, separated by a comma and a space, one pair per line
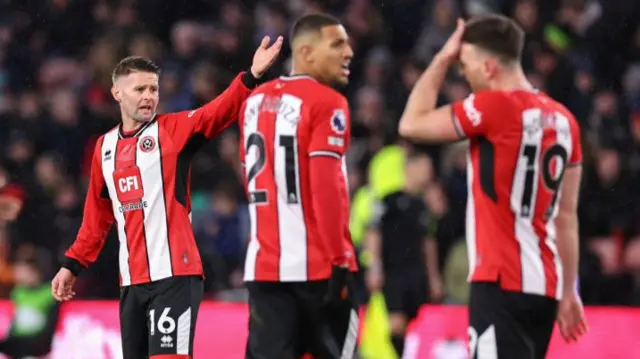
113, 131
543, 101
558, 107
265, 87
332, 96
99, 141
484, 106
311, 91
485, 102
163, 118
490, 96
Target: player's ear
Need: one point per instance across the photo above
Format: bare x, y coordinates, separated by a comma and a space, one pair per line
306, 53
490, 67
115, 92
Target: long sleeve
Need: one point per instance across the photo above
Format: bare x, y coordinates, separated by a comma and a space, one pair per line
192, 129
97, 220
326, 192
329, 141
221, 112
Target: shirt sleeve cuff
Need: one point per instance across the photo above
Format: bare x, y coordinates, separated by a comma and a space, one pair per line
73, 265
456, 124
250, 81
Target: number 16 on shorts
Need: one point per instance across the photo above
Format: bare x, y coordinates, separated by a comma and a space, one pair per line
167, 334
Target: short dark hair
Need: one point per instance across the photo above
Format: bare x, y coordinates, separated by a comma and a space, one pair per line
312, 23
496, 34
134, 64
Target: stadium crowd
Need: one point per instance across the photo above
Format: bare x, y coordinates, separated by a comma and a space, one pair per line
56, 58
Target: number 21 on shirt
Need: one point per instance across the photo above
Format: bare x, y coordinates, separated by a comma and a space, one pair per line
271, 149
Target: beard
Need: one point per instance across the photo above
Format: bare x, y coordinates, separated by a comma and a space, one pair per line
136, 116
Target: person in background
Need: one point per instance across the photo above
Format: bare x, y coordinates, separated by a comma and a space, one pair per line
404, 258
223, 234
35, 309
12, 199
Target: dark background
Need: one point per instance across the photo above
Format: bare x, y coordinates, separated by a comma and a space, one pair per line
56, 57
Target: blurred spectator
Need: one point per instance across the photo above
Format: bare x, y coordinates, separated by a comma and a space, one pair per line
11, 203
434, 36
223, 234
35, 310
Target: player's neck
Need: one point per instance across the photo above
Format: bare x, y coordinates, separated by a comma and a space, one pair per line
129, 124
515, 80
297, 70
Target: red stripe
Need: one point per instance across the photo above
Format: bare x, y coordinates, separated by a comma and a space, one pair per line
134, 229
133, 219
169, 168
268, 258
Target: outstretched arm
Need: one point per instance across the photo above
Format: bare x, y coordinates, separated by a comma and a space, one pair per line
215, 116
209, 120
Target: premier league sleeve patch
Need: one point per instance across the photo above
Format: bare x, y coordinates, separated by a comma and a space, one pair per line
339, 121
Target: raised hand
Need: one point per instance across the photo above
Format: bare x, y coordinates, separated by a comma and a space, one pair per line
451, 49
265, 55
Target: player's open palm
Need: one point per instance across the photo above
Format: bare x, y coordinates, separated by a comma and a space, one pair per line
265, 55
62, 285
451, 49
571, 319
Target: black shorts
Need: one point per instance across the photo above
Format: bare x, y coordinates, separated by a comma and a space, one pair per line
288, 320
405, 291
508, 325
160, 317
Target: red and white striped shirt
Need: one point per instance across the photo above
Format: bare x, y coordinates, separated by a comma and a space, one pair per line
520, 144
141, 181
294, 134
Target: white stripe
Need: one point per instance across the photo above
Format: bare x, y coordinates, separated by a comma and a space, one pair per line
533, 278
458, 126
251, 126
324, 153
293, 234
183, 333
108, 166
564, 139
345, 178
550, 242
155, 214
349, 348
487, 345
470, 218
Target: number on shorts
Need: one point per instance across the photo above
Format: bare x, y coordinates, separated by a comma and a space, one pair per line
166, 324
484, 345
